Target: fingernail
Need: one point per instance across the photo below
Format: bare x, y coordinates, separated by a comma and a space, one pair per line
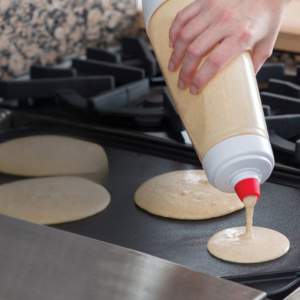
171, 66
193, 90
180, 84
170, 44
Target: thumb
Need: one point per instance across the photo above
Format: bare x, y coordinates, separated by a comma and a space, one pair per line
261, 52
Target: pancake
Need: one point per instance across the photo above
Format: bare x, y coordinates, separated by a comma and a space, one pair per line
185, 195
53, 200
52, 155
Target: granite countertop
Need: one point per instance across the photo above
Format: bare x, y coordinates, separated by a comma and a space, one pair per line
44, 31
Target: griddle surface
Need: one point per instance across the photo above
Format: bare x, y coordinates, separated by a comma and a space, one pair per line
182, 242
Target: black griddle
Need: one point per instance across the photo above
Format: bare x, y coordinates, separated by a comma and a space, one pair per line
134, 159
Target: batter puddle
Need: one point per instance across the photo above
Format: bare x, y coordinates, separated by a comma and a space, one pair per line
248, 244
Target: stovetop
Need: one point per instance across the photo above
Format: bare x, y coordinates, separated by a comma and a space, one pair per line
124, 88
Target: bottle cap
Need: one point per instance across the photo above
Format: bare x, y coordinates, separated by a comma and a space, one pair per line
247, 187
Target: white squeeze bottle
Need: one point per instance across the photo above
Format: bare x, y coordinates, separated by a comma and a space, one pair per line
225, 121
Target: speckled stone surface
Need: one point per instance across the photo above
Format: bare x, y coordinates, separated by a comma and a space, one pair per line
44, 31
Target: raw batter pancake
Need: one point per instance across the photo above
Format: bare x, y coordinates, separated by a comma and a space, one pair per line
51, 155
248, 244
185, 195
53, 200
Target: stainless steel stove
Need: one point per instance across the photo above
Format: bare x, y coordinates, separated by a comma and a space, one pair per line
118, 97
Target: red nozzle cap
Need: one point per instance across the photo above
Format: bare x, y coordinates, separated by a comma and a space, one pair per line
247, 187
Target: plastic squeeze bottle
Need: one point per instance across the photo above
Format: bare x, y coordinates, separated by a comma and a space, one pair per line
225, 121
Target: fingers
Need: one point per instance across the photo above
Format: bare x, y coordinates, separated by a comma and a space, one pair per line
235, 26
186, 36
215, 61
182, 18
196, 51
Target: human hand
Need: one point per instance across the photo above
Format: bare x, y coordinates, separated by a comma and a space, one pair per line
236, 25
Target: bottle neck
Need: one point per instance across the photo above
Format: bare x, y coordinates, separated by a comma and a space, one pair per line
243, 174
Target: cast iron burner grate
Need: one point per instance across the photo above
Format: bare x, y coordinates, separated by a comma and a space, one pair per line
281, 104
125, 89
104, 87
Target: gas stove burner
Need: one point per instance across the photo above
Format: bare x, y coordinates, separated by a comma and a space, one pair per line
285, 88
154, 98
284, 133
122, 74
280, 96
134, 62
132, 101
108, 87
271, 75
275, 104
281, 104
48, 88
103, 55
124, 88
39, 72
134, 52
274, 70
